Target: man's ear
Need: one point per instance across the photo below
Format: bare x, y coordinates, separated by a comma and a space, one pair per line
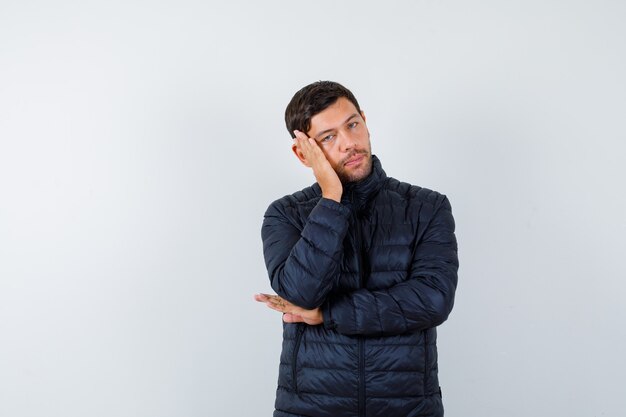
300, 155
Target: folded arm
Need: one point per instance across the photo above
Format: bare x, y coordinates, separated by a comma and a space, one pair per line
303, 265
423, 300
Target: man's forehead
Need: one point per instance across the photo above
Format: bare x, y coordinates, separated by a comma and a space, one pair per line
333, 116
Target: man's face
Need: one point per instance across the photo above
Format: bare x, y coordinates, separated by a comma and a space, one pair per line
341, 133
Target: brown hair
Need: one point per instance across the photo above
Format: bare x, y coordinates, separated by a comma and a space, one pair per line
312, 99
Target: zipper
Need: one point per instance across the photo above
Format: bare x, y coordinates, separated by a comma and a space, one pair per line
361, 376
426, 361
294, 356
361, 339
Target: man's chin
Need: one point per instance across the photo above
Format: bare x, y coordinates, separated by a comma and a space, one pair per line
358, 173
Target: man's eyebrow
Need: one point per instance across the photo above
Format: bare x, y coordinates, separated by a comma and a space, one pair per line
330, 130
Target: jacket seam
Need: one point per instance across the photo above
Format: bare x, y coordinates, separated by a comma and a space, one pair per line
380, 322
329, 256
369, 396
329, 343
406, 324
303, 266
399, 371
322, 225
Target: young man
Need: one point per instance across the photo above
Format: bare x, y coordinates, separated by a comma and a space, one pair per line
364, 267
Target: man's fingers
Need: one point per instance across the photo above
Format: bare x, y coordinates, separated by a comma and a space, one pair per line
279, 302
267, 297
276, 303
301, 139
300, 135
281, 305
262, 298
273, 307
306, 144
285, 310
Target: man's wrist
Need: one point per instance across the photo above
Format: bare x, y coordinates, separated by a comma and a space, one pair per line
332, 195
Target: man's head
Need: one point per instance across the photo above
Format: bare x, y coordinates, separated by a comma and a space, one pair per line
329, 113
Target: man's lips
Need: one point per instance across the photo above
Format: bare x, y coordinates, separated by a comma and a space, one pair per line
355, 160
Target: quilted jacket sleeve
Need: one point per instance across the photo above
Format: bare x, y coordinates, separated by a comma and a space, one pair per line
424, 300
303, 264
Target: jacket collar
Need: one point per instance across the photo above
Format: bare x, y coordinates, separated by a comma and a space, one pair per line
357, 194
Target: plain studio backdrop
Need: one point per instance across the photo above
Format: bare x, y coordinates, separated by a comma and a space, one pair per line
141, 142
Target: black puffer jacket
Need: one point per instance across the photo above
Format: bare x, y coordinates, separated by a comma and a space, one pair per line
383, 265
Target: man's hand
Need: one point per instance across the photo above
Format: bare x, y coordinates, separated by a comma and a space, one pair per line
291, 313
324, 173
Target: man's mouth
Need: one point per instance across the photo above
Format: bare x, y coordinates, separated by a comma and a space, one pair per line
354, 160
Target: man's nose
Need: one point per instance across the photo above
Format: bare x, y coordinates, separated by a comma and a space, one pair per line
347, 141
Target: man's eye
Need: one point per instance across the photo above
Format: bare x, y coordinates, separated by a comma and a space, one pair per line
352, 125
327, 138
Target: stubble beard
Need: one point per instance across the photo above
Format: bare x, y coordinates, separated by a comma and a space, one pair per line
361, 173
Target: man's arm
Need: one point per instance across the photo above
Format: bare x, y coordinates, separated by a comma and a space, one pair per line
422, 301
303, 265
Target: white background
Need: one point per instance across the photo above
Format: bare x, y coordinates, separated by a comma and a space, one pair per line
141, 142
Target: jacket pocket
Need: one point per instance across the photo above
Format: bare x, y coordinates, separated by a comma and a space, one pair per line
294, 356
